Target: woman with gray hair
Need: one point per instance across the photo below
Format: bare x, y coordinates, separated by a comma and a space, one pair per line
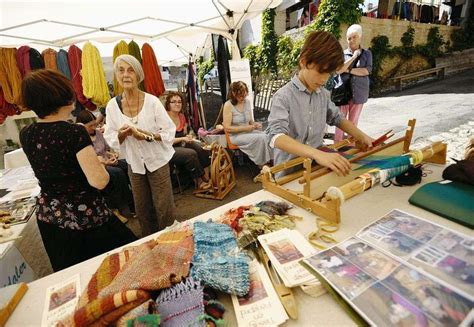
138, 125
357, 66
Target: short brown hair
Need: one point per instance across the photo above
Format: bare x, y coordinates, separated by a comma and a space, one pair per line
170, 96
45, 91
322, 49
236, 88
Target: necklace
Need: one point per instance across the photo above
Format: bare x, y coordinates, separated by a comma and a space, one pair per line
134, 118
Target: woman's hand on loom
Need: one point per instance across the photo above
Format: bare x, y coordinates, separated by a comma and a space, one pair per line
334, 161
364, 142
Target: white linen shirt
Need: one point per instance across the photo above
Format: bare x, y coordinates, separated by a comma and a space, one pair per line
142, 154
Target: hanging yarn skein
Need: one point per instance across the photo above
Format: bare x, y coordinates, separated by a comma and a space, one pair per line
75, 66
63, 64
153, 81
94, 84
10, 76
49, 57
23, 59
134, 50
120, 49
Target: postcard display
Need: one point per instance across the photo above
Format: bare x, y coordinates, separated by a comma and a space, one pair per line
403, 270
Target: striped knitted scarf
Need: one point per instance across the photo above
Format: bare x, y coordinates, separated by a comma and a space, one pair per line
123, 280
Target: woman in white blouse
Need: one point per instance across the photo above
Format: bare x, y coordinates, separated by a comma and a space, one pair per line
137, 124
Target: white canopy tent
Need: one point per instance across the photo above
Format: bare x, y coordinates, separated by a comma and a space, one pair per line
177, 30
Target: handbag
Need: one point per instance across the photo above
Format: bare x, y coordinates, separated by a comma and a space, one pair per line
342, 94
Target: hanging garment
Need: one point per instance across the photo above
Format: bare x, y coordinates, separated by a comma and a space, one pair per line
23, 59
49, 56
193, 104
10, 76
223, 66
36, 60
63, 64
94, 84
75, 67
134, 50
120, 49
153, 81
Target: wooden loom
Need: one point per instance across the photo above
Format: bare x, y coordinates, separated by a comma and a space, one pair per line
313, 196
222, 177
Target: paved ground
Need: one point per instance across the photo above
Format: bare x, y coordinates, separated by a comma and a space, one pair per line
438, 106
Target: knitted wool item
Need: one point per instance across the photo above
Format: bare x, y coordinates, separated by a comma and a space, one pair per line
155, 268
182, 304
217, 261
130, 318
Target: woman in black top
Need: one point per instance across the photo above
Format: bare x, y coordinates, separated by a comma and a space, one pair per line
73, 219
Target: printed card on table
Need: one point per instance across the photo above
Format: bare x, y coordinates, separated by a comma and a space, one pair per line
286, 248
61, 300
261, 306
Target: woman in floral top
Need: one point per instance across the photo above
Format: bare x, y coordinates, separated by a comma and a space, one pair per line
73, 219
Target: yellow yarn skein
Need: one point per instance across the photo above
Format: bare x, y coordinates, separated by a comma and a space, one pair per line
93, 76
120, 49
10, 76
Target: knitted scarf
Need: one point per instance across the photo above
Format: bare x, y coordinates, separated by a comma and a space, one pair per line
153, 80
23, 59
49, 57
75, 66
10, 76
134, 50
217, 261
123, 280
63, 65
36, 60
120, 49
94, 83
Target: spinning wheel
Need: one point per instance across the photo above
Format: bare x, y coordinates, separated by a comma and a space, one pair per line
222, 174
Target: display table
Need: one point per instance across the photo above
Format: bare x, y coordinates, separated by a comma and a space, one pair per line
356, 213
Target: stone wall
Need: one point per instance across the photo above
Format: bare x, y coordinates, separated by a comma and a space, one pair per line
393, 29
456, 61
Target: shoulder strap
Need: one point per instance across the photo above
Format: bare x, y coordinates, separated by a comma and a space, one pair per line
118, 98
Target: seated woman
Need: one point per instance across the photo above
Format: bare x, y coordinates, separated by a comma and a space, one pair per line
118, 194
73, 218
188, 153
244, 132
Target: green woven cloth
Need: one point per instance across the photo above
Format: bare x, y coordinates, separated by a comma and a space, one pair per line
453, 200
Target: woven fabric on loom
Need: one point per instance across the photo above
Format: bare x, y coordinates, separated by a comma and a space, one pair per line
154, 268
217, 262
182, 304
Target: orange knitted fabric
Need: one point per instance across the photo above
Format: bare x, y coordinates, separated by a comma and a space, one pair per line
153, 80
49, 57
10, 76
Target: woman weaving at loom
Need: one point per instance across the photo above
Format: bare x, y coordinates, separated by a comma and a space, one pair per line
301, 109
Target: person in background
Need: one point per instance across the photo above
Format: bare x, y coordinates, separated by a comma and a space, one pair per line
137, 123
301, 109
118, 194
360, 77
188, 153
73, 218
244, 131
